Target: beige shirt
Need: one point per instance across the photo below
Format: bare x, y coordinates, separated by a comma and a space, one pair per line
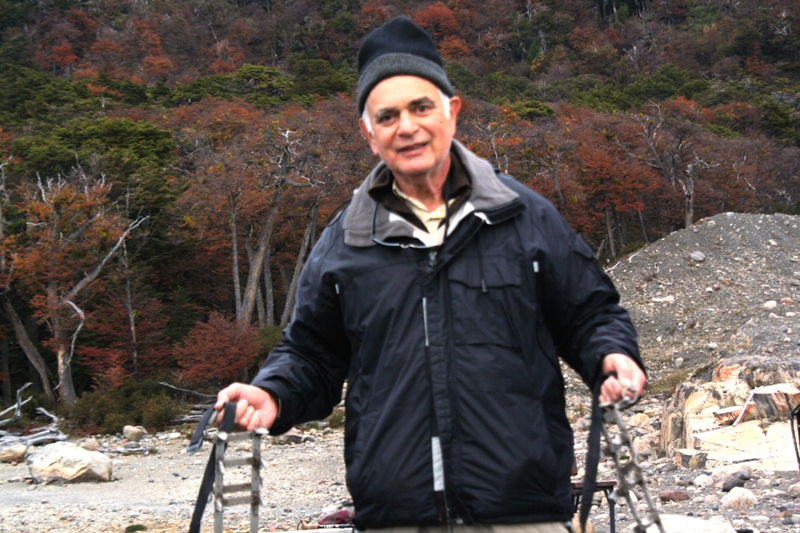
432, 219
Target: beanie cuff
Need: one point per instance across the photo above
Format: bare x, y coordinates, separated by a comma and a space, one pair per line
388, 65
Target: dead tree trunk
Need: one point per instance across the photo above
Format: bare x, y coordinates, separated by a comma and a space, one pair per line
30, 350
312, 220
610, 231
6, 371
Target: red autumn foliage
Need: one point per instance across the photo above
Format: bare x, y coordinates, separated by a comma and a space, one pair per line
217, 351
128, 342
438, 20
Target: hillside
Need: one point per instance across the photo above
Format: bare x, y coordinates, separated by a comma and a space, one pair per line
692, 312
187, 154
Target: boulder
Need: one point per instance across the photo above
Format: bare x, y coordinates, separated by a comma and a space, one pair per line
682, 524
775, 402
758, 371
675, 495
693, 459
729, 415
65, 462
731, 483
293, 436
647, 444
639, 420
134, 433
13, 454
749, 441
703, 481
738, 499
692, 409
90, 444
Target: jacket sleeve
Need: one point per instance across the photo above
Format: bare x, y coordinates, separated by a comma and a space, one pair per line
581, 305
306, 371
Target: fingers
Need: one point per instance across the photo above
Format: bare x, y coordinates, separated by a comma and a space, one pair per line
625, 375
255, 408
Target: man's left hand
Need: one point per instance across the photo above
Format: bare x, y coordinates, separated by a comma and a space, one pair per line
628, 375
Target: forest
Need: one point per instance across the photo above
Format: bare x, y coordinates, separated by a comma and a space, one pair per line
167, 165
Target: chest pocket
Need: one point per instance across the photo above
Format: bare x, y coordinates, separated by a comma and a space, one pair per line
486, 301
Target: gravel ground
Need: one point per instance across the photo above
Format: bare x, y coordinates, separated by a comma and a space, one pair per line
690, 314
303, 481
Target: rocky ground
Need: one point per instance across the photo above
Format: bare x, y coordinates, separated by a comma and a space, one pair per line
727, 287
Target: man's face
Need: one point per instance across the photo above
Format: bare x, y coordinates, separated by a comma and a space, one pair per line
410, 131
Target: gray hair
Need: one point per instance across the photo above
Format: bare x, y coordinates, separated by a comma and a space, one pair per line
445, 105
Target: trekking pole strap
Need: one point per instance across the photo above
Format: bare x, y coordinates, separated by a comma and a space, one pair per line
228, 419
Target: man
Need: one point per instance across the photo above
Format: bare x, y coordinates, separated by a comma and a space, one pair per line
444, 294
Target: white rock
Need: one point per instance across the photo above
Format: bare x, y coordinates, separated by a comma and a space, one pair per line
134, 433
697, 256
13, 454
64, 462
772, 304
90, 444
703, 481
738, 499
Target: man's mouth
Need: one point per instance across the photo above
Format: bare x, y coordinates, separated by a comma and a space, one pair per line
412, 147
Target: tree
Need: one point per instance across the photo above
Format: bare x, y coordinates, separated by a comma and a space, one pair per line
670, 136
71, 236
216, 351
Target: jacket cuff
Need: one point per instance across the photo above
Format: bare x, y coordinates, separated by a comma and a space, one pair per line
281, 424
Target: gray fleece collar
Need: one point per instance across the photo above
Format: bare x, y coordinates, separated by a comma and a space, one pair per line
366, 221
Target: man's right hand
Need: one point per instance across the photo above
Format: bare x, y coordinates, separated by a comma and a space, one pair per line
255, 408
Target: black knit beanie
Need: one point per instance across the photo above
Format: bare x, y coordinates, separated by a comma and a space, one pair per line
399, 47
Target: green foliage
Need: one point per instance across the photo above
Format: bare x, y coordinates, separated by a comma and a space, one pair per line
463, 79
500, 88
259, 85
137, 402
601, 95
692, 88
135, 527
118, 147
532, 109
722, 131
631, 247
13, 13
27, 94
269, 338
317, 77
782, 120
664, 83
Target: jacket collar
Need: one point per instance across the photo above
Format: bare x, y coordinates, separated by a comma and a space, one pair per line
367, 222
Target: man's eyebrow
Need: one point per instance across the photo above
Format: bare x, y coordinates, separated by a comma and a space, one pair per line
419, 101
388, 111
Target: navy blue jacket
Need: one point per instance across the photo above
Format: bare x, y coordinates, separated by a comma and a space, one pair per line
455, 396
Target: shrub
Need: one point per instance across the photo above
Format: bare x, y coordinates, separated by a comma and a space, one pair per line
137, 402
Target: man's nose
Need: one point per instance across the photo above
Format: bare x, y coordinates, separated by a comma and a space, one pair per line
407, 124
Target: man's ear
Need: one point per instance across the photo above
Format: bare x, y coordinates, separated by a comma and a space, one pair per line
455, 106
367, 135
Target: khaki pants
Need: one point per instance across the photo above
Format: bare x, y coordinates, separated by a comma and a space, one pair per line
546, 527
